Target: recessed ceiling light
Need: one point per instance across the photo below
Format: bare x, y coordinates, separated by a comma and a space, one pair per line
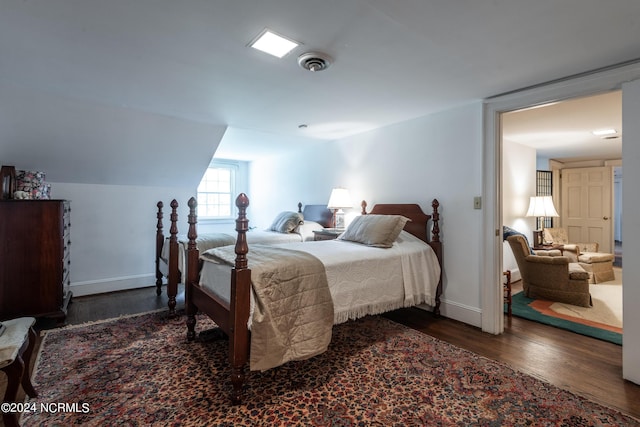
604, 132
273, 44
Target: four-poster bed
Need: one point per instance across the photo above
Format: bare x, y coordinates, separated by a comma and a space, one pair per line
170, 251
242, 313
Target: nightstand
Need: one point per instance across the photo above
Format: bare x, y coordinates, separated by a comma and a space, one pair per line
327, 233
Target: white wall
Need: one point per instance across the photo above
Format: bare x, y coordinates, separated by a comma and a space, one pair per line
113, 233
438, 156
113, 230
631, 230
518, 184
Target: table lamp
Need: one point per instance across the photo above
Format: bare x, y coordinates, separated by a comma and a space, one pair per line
339, 199
541, 207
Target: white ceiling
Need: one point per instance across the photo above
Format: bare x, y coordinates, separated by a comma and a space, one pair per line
393, 60
563, 130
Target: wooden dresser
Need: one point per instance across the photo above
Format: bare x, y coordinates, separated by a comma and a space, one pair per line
34, 258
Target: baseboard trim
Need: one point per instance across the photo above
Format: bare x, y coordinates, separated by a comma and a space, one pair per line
112, 284
461, 313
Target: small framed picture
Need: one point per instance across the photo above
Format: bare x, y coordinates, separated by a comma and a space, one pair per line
7, 181
537, 238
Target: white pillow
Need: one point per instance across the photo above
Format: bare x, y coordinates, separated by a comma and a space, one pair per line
286, 222
375, 230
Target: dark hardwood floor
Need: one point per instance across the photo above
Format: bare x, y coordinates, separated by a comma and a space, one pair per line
580, 364
583, 365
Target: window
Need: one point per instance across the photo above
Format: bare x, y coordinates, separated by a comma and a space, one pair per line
216, 191
544, 185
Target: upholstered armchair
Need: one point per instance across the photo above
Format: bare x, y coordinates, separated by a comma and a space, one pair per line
599, 265
552, 278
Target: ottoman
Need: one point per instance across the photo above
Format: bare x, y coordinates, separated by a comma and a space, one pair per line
599, 265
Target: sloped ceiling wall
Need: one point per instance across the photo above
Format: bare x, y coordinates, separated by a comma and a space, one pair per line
81, 141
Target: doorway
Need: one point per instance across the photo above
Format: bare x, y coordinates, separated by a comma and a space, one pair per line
556, 139
626, 77
565, 89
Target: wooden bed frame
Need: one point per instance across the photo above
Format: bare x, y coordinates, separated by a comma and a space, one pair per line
232, 317
316, 212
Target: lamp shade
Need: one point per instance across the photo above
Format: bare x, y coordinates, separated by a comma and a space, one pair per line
340, 198
542, 206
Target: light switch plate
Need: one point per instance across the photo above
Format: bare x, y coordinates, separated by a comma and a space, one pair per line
477, 202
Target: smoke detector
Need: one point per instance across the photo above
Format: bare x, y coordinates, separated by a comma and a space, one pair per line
314, 61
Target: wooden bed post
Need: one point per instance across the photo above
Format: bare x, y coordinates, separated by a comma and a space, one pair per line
363, 206
437, 247
240, 302
172, 283
193, 270
159, 243
299, 207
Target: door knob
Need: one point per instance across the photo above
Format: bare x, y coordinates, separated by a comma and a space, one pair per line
605, 218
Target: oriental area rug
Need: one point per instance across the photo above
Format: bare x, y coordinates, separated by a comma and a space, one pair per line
141, 371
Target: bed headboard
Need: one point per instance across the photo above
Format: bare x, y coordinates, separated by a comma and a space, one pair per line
418, 224
419, 220
418, 227
318, 213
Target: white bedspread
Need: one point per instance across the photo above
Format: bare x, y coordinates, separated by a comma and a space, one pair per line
362, 280
291, 311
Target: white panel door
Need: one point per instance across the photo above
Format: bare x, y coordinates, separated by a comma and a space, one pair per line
587, 205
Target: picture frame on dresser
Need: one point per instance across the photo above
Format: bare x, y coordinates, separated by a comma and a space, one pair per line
35, 242
7, 181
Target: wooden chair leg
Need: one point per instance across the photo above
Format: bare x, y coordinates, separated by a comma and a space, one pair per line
19, 372
14, 373
507, 291
10, 419
26, 374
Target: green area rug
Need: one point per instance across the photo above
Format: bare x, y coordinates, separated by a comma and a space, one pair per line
521, 306
141, 371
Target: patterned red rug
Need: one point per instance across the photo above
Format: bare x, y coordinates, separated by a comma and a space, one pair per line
140, 371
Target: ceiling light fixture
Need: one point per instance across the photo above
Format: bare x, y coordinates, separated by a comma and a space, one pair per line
604, 132
314, 61
273, 44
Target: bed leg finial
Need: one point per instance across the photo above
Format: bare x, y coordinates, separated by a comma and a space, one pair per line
237, 379
191, 327
242, 226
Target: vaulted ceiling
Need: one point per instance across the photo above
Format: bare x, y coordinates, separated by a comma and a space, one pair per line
149, 79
